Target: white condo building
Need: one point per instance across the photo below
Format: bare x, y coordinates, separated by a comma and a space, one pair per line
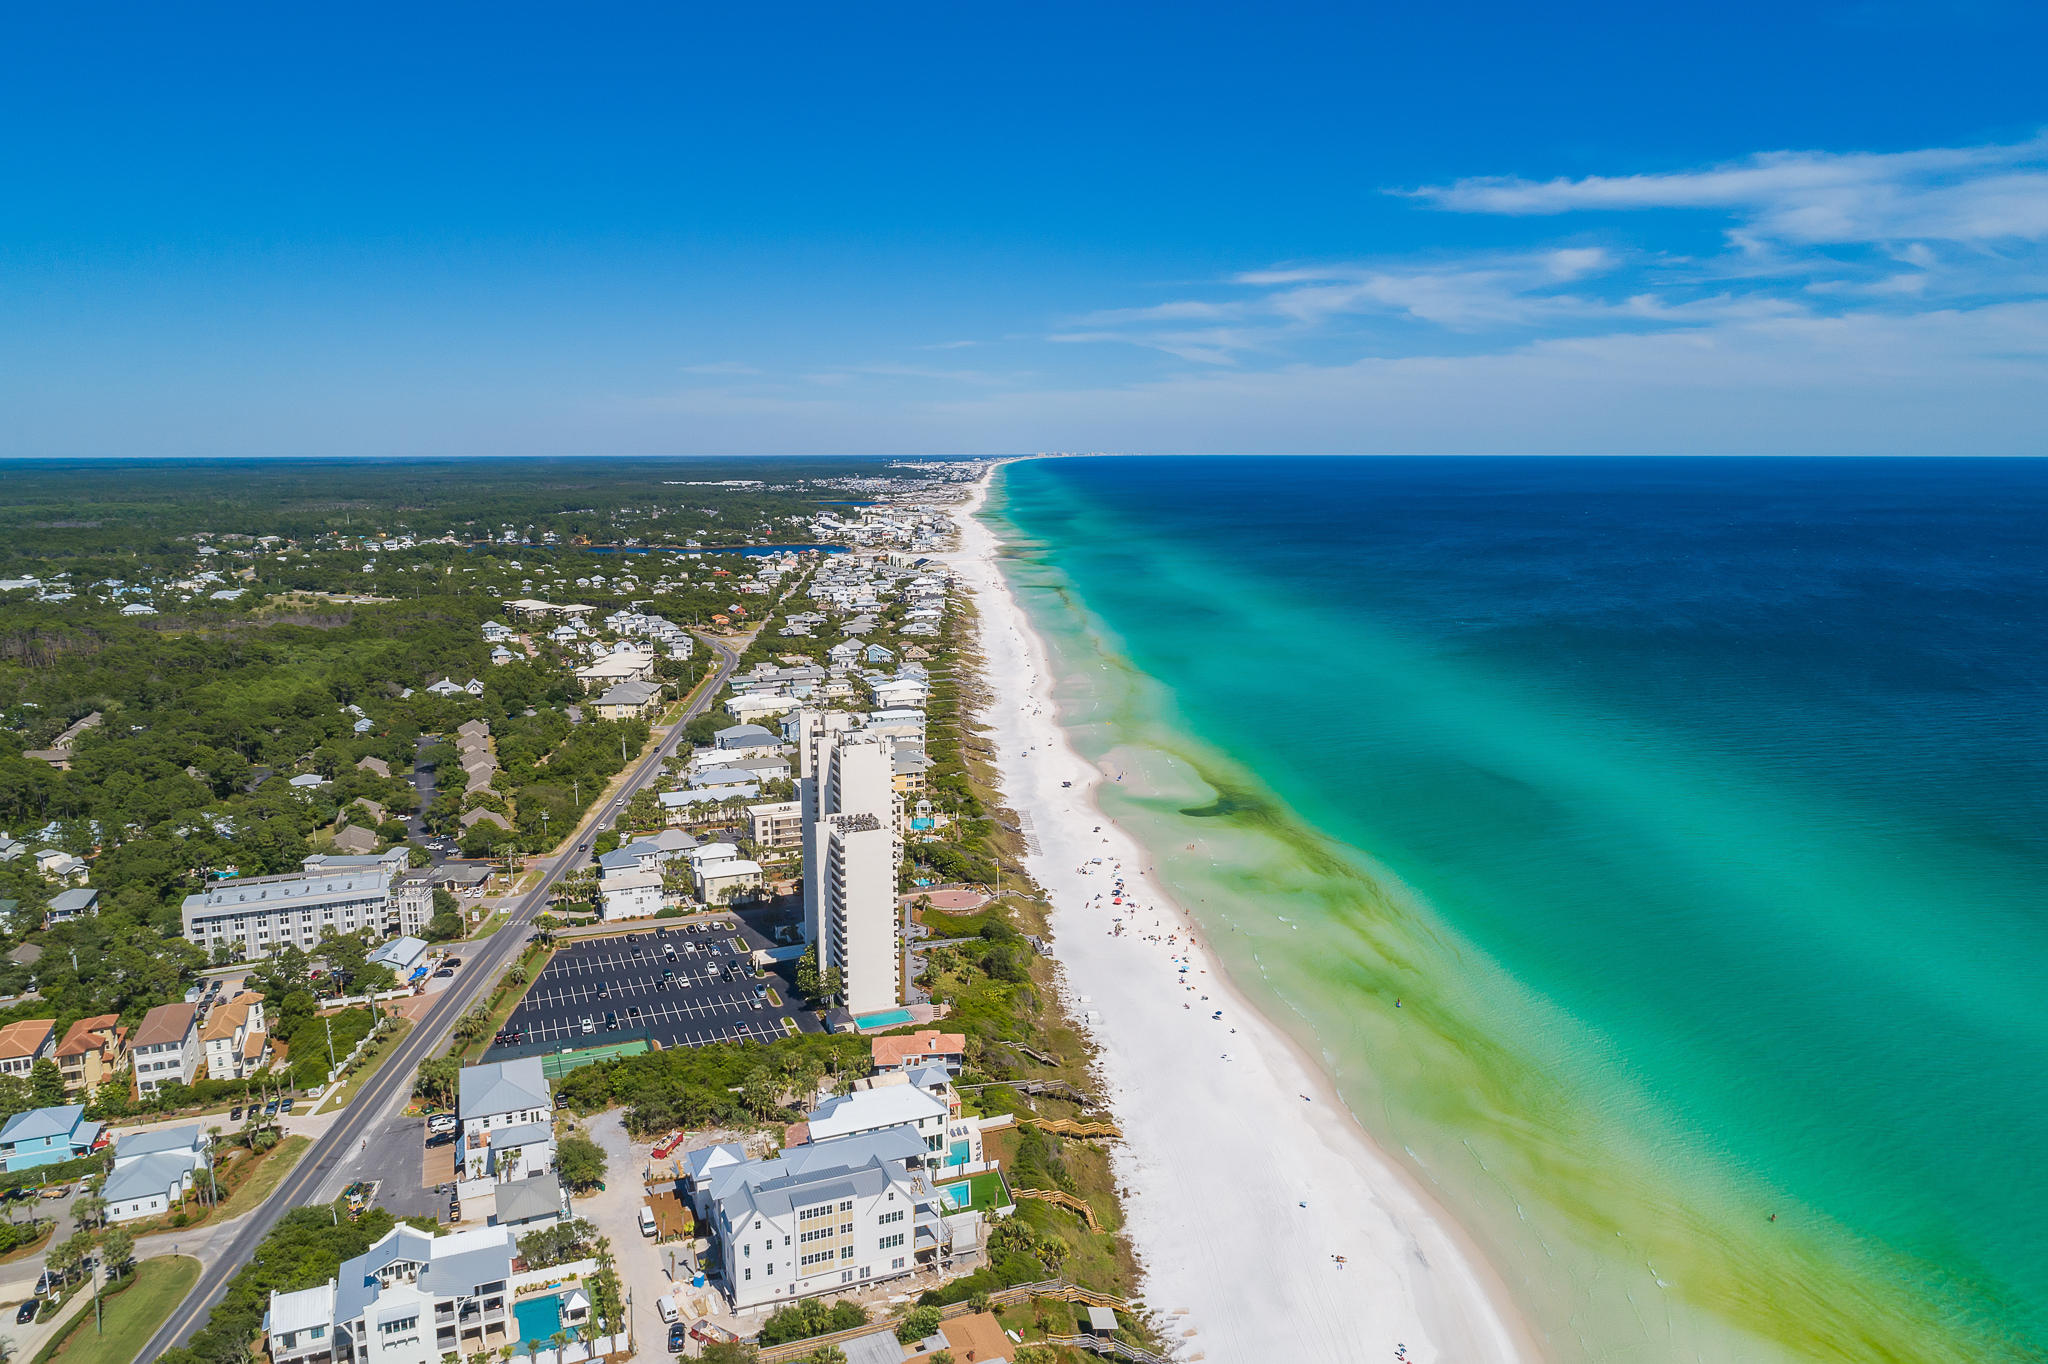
852, 854
254, 916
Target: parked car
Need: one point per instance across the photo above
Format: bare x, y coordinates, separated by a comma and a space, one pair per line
26, 1312
589, 1024
235, 1113
286, 1106
561, 1101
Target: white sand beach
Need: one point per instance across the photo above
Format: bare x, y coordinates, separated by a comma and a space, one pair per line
1246, 1179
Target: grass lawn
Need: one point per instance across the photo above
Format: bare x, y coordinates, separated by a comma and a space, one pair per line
989, 1192
131, 1316
277, 1163
489, 926
341, 1094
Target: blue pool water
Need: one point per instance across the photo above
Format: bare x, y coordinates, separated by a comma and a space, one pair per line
888, 1018
539, 1318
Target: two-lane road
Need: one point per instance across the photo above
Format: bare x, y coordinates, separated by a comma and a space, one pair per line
372, 1117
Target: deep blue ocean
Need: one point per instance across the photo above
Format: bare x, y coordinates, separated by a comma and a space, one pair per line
1741, 764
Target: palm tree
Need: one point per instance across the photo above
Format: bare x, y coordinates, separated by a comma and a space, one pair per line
88, 1210
7, 1351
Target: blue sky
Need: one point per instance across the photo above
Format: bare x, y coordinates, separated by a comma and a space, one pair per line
667, 229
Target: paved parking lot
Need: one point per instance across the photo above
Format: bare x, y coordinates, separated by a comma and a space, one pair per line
682, 985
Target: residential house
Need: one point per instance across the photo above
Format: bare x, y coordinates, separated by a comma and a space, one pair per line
682, 807
57, 865
165, 1047
622, 665
507, 1120
355, 840
25, 1042
403, 955
628, 701
923, 1100
630, 894
92, 1052
923, 1048
67, 905
529, 1205
412, 1298
739, 739
824, 1217
483, 815
234, 1041
44, 1136
153, 1170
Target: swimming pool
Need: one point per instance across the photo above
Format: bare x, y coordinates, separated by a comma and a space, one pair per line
887, 1018
539, 1317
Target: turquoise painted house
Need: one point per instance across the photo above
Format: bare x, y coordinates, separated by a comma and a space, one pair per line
44, 1136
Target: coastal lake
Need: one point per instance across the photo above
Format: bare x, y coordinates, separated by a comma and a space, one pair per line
1652, 850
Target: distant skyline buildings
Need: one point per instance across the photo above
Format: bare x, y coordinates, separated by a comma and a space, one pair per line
1464, 229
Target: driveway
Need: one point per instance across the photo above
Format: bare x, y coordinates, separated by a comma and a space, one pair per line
643, 1267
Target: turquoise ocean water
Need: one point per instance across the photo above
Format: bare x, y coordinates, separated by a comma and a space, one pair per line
1695, 810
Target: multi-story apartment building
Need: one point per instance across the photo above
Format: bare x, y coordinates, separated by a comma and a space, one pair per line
166, 1047
254, 916
819, 1218
92, 1052
233, 1040
777, 824
411, 1298
25, 1042
853, 850
412, 901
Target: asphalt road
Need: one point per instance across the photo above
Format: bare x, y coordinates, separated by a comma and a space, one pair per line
370, 1117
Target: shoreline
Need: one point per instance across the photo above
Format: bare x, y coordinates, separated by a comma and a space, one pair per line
1239, 1155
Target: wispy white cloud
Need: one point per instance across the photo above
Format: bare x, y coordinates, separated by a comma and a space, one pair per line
1859, 302
1956, 194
